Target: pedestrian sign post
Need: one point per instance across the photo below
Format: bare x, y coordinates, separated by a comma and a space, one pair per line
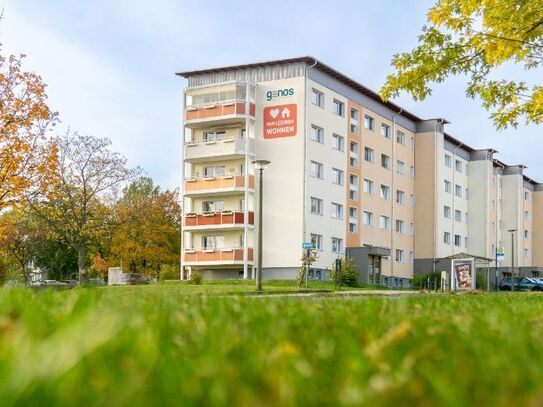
500, 252
307, 245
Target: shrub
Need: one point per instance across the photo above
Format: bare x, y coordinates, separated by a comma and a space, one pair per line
347, 275
195, 278
169, 272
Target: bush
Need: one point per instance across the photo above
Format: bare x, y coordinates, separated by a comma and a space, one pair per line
195, 278
348, 273
169, 272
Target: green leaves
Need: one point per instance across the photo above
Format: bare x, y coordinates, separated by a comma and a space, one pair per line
475, 38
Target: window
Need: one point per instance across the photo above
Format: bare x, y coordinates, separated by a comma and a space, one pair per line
385, 191
338, 142
399, 256
458, 165
369, 123
367, 218
411, 258
210, 172
369, 186
317, 241
316, 170
448, 161
337, 211
400, 226
242, 134
338, 108
400, 167
210, 206
384, 222
338, 177
212, 242
412, 229
466, 242
317, 134
369, 154
337, 245
353, 187
412, 200
353, 154
447, 238
457, 240
385, 161
400, 197
526, 253
526, 195
413, 143
447, 186
317, 98
466, 193
526, 215
447, 212
412, 171
354, 121
466, 217
353, 220
458, 191
316, 206
458, 215
526, 234
385, 130
213, 136
400, 137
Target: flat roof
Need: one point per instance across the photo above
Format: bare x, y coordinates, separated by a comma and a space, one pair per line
318, 65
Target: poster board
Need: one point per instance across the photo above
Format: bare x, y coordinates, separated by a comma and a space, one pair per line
463, 274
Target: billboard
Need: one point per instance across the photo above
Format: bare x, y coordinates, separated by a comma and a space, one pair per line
463, 274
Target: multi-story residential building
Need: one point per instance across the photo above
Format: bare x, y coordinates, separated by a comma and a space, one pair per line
350, 173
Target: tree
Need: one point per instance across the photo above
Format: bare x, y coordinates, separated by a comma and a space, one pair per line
78, 208
476, 38
148, 228
27, 157
18, 239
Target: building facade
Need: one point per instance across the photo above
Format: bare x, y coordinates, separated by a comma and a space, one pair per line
350, 173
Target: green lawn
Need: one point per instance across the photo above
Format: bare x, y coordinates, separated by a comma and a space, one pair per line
157, 345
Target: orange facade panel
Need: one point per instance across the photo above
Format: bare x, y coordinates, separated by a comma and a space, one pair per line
218, 110
229, 181
217, 255
220, 218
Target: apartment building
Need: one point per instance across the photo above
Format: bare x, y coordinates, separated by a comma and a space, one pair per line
350, 173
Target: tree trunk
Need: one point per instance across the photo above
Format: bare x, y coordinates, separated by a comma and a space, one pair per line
81, 260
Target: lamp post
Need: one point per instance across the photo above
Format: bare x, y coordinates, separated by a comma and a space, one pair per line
260, 165
512, 231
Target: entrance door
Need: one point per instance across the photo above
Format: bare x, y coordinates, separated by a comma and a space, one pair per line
374, 269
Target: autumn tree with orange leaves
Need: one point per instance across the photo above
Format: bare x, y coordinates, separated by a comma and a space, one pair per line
28, 158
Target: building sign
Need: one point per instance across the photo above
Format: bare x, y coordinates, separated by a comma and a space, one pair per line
280, 121
464, 274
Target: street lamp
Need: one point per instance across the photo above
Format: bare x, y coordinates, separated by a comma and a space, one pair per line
512, 231
260, 165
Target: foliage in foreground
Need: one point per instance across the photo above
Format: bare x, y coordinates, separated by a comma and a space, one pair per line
477, 39
153, 346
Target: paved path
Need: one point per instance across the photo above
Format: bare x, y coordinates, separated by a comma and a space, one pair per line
351, 293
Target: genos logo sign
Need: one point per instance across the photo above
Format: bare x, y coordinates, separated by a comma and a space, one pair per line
281, 93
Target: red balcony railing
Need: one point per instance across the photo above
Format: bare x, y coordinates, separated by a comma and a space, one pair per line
217, 110
219, 182
217, 255
218, 218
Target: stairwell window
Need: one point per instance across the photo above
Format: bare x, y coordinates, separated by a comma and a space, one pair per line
400, 226
353, 154
355, 117
400, 167
353, 187
353, 220
400, 197
399, 256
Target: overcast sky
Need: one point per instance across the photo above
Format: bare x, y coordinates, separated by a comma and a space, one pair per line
110, 65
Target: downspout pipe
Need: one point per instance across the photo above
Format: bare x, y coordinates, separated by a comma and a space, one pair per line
438, 123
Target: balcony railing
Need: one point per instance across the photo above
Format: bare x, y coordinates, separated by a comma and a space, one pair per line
224, 255
224, 183
224, 218
217, 110
196, 151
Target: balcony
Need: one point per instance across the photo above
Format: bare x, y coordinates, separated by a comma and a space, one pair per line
224, 103
220, 185
217, 220
227, 148
216, 256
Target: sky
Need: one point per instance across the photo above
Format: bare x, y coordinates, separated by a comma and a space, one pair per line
110, 65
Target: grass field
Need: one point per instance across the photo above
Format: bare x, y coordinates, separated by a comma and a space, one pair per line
158, 345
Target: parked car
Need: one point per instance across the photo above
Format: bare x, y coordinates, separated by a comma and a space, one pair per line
521, 284
71, 283
135, 279
97, 281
